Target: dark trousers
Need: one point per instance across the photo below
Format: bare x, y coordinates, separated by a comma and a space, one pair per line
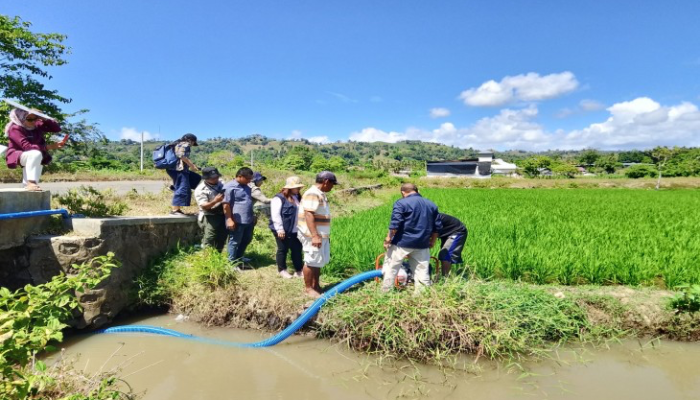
184, 181
290, 243
238, 241
214, 231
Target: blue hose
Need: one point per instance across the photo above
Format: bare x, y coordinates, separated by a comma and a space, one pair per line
287, 332
40, 213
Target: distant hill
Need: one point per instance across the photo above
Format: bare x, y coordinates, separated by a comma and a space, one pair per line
299, 154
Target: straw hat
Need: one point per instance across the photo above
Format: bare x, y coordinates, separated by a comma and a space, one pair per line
293, 182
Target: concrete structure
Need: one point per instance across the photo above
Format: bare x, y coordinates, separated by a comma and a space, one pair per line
14, 232
135, 241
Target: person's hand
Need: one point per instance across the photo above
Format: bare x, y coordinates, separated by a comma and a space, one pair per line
387, 243
316, 241
219, 198
230, 224
281, 235
195, 169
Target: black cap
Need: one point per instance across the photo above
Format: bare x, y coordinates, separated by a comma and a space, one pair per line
323, 175
191, 137
259, 177
210, 172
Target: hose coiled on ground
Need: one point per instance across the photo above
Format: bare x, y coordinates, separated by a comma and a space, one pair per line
284, 334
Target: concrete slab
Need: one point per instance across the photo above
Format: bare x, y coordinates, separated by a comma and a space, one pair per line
97, 226
13, 232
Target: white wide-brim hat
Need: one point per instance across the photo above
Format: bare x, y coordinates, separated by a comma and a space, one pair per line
293, 182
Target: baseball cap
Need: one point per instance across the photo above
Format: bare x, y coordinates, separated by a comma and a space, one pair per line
258, 177
210, 172
191, 137
323, 175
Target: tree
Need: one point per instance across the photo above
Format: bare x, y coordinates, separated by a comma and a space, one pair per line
661, 155
24, 56
531, 166
564, 169
589, 157
319, 164
608, 163
337, 164
293, 162
220, 158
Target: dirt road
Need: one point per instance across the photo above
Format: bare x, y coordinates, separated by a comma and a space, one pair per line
121, 187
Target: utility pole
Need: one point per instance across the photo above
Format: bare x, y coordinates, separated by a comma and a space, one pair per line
141, 151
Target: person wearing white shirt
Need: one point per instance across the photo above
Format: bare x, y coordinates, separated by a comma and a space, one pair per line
283, 223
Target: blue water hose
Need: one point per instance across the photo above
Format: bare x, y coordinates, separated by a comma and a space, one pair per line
287, 332
29, 214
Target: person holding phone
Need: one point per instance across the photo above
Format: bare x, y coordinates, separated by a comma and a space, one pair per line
27, 146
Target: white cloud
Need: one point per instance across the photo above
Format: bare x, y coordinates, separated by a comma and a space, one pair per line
439, 112
509, 129
584, 106
528, 87
641, 123
295, 135
590, 105
319, 139
342, 97
133, 134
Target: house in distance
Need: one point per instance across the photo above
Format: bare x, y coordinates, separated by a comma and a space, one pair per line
479, 168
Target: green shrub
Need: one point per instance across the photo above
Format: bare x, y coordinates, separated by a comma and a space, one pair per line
90, 202
640, 171
33, 317
687, 300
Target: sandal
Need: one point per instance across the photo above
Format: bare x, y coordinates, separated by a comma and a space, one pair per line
34, 188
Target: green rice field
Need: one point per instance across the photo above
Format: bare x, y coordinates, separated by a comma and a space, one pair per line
558, 236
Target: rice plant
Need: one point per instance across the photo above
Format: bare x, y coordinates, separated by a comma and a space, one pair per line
584, 236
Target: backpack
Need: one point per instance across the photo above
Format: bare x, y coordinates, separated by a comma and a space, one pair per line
164, 157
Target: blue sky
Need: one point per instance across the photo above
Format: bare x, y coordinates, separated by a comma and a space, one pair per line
499, 75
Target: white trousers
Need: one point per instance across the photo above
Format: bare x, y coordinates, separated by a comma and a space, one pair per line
418, 261
31, 166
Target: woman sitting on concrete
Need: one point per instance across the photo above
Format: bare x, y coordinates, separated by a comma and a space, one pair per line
283, 223
184, 180
27, 146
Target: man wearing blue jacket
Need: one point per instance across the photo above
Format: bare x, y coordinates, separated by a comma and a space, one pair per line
413, 231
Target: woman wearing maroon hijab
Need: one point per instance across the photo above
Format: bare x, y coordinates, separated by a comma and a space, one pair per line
27, 147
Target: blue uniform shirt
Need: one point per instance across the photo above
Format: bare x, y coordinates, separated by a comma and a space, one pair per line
415, 218
241, 201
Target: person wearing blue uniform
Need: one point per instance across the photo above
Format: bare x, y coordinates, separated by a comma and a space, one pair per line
452, 235
413, 230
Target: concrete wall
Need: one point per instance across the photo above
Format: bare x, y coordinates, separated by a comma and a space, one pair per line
13, 232
135, 241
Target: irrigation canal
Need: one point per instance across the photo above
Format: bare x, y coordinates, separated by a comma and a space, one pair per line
307, 368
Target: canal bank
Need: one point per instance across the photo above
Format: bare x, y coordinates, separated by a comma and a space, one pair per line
303, 368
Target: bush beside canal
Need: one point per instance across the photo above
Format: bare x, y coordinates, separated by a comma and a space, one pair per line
501, 319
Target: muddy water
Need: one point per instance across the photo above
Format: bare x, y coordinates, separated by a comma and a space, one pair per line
305, 368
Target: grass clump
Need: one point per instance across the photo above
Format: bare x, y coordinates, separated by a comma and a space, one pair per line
493, 319
88, 201
181, 271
